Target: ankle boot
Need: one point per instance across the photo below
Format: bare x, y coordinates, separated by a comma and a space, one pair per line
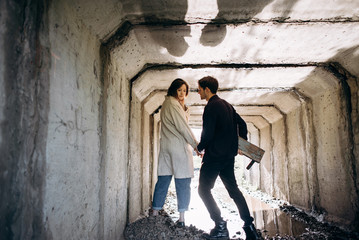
220, 231
251, 232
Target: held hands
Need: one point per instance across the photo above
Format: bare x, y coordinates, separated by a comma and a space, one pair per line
200, 154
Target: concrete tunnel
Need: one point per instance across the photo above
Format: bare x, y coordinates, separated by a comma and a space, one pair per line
82, 83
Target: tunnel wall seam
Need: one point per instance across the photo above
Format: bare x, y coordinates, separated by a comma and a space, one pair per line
285, 124
104, 54
270, 158
310, 145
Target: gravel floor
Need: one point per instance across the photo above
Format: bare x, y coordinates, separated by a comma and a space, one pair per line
160, 227
163, 227
301, 225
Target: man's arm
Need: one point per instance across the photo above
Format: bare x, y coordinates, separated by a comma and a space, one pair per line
209, 123
242, 127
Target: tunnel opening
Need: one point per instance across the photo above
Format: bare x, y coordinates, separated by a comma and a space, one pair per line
294, 119
271, 121
286, 113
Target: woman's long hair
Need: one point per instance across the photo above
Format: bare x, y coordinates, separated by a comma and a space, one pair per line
176, 84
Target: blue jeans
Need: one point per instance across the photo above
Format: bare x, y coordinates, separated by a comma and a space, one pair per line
183, 191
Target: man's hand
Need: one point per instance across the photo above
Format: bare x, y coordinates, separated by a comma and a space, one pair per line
199, 153
240, 152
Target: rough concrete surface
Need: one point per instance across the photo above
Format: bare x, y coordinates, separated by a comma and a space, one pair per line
82, 83
23, 123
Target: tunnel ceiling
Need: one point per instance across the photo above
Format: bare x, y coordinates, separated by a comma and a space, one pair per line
269, 56
106, 16
268, 91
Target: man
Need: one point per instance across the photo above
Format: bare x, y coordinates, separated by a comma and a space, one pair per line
219, 140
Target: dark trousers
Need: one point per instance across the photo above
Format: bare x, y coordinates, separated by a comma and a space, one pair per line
207, 178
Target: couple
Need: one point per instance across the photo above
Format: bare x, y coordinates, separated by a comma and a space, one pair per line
218, 147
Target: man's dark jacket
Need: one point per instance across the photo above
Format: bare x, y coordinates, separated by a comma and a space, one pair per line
221, 127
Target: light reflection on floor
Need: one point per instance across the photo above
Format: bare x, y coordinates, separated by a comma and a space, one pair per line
267, 217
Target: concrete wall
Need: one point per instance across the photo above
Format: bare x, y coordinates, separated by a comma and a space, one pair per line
114, 149
79, 139
64, 103
3, 17
142, 158
266, 183
335, 186
73, 169
297, 164
135, 161
310, 154
24, 107
87, 175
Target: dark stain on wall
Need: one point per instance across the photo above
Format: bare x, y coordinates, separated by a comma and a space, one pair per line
24, 128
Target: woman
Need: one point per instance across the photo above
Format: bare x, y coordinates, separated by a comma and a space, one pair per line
175, 157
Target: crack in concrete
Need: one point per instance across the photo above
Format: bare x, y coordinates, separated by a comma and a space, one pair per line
171, 66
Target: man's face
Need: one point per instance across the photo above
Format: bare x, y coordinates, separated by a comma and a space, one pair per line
201, 92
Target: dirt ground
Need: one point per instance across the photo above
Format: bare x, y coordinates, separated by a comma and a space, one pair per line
274, 219
163, 228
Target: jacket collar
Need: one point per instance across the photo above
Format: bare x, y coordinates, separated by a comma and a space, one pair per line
214, 97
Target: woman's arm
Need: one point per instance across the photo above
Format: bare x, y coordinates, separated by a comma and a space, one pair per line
181, 125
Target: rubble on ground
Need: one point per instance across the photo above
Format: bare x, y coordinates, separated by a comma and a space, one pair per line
162, 227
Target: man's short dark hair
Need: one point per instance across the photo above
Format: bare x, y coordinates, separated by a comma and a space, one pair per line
176, 84
209, 82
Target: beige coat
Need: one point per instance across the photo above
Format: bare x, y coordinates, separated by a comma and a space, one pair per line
175, 157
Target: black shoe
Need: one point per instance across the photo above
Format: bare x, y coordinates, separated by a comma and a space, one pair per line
220, 231
251, 232
180, 224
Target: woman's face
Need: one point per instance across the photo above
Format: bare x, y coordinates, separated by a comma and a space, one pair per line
181, 92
